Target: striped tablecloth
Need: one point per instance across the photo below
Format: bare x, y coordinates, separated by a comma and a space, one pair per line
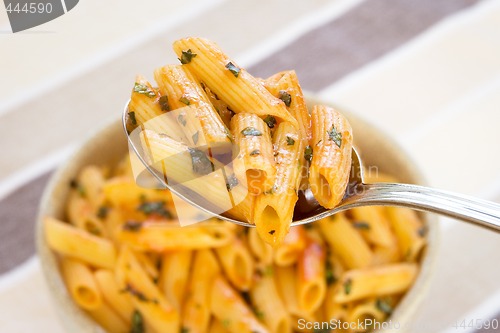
425, 71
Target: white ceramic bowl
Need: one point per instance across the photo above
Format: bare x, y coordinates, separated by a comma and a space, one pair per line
108, 145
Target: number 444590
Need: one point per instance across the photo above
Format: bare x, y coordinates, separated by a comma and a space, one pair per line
32, 7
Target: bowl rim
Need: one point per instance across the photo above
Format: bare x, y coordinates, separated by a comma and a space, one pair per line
81, 322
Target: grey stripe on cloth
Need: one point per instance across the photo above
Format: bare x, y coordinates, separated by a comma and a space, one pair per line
363, 34
17, 222
320, 57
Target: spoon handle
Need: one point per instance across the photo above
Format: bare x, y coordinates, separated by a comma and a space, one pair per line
469, 209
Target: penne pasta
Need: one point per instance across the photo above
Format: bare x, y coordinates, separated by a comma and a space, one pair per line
229, 308
373, 225
311, 285
293, 245
331, 160
273, 211
409, 230
108, 319
173, 280
346, 241
237, 263
269, 306
79, 244
81, 284
196, 308
375, 281
200, 122
118, 301
254, 163
233, 84
261, 250
159, 237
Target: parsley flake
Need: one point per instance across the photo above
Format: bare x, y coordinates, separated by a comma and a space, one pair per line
184, 100
132, 226
383, 306
251, 131
156, 208
347, 286
233, 69
290, 141
164, 103
272, 232
285, 97
232, 182
102, 212
131, 116
144, 90
137, 323
270, 121
361, 225
201, 163
308, 153
255, 152
335, 136
187, 56
329, 275
181, 118
195, 137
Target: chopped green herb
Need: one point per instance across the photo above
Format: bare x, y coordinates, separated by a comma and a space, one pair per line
232, 181
422, 231
329, 275
144, 90
383, 306
73, 183
259, 314
92, 228
131, 116
272, 232
361, 225
347, 286
335, 136
290, 141
184, 100
270, 121
184, 330
317, 143
268, 271
201, 163
226, 323
137, 323
136, 293
308, 153
251, 131
285, 97
233, 69
195, 137
102, 212
164, 103
156, 208
181, 118
186, 56
132, 226
255, 152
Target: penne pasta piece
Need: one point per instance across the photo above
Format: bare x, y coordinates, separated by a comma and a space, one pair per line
196, 309
385, 255
368, 310
173, 280
237, 263
145, 102
81, 284
145, 294
148, 265
346, 241
108, 319
331, 160
294, 243
375, 281
90, 182
269, 306
159, 237
334, 310
409, 231
261, 250
79, 244
111, 292
229, 308
220, 106
183, 90
373, 224
233, 84
274, 211
285, 85
254, 163
311, 285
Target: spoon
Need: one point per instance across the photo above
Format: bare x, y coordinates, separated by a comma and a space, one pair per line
358, 193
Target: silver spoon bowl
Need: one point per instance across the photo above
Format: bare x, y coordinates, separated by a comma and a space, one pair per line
358, 193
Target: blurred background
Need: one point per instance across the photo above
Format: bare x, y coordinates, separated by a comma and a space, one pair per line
427, 72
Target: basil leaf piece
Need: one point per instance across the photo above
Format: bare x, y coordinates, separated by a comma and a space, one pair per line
251, 131
233, 69
335, 136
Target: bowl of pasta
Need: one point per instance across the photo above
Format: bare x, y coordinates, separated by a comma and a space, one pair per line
117, 260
